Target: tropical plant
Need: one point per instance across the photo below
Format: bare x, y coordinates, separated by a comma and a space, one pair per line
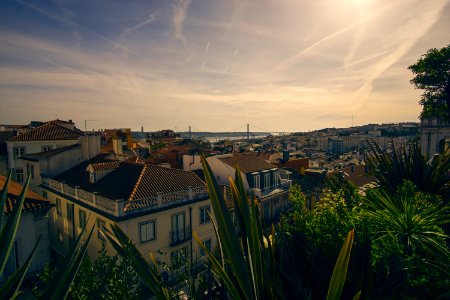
409, 225
414, 220
11, 288
59, 287
406, 162
247, 264
148, 272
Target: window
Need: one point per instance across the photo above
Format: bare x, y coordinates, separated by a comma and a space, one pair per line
81, 218
92, 177
58, 206
19, 151
100, 225
207, 245
179, 233
204, 214
256, 181
276, 179
147, 231
44, 194
30, 170
19, 175
69, 212
178, 222
218, 178
46, 148
267, 180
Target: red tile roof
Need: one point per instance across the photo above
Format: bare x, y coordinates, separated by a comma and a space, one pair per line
154, 180
77, 176
131, 181
108, 148
32, 202
101, 166
48, 131
247, 163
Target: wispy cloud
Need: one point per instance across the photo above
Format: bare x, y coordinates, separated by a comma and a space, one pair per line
129, 30
180, 11
214, 61
67, 21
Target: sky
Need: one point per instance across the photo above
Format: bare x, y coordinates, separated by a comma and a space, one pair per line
278, 65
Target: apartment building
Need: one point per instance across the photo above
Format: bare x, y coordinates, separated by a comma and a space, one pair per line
48, 150
158, 208
261, 178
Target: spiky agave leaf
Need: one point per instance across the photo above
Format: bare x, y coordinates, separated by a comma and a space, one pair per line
148, 272
340, 269
62, 280
8, 232
3, 197
229, 240
10, 289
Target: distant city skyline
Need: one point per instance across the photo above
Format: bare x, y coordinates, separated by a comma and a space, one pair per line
215, 65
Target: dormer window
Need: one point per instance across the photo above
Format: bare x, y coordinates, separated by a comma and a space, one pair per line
256, 184
267, 180
276, 178
92, 177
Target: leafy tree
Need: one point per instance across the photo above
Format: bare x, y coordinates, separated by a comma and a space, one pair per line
313, 242
432, 74
108, 277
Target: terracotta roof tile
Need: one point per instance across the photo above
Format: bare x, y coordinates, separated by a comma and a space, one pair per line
156, 180
102, 166
108, 148
48, 131
247, 163
77, 176
33, 201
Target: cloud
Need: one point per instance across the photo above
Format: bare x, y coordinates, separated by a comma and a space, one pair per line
180, 11
129, 30
205, 55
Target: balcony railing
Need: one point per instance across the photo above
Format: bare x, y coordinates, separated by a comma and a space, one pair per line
284, 185
180, 236
121, 207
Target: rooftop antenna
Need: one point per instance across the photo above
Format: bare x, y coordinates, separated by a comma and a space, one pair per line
352, 120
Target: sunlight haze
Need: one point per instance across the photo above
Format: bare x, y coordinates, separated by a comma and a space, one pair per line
215, 65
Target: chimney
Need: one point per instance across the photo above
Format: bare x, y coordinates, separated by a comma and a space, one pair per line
285, 155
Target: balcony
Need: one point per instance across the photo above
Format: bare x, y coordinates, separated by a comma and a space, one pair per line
284, 185
180, 236
121, 207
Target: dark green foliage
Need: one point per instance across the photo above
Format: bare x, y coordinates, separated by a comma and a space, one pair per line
314, 240
432, 74
108, 277
409, 225
337, 183
406, 162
